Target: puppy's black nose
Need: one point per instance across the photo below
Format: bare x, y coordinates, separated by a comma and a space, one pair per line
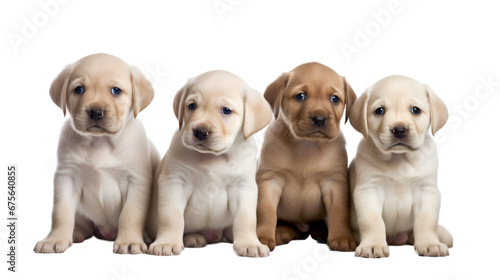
200, 133
399, 132
95, 114
319, 121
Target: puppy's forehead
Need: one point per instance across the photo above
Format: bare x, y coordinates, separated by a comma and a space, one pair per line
101, 65
219, 83
398, 87
315, 75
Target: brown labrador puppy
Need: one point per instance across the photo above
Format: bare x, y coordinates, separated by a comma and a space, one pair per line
302, 174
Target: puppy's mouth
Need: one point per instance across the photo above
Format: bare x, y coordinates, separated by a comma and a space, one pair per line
202, 147
97, 129
318, 134
401, 147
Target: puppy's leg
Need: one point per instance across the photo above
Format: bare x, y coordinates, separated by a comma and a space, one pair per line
425, 230
66, 200
246, 242
335, 195
194, 240
269, 197
171, 205
368, 207
84, 228
130, 239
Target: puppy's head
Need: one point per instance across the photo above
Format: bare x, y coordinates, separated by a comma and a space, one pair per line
100, 91
397, 112
217, 106
311, 100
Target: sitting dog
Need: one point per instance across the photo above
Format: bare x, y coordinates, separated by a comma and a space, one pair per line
302, 175
205, 187
394, 175
105, 165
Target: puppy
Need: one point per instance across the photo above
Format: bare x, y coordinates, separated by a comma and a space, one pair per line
105, 165
205, 185
302, 175
394, 175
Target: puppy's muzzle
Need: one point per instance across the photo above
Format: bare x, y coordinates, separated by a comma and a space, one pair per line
95, 114
200, 133
319, 121
399, 132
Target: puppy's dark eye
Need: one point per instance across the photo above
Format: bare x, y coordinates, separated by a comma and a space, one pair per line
415, 110
226, 111
192, 106
334, 99
79, 90
116, 91
379, 111
301, 96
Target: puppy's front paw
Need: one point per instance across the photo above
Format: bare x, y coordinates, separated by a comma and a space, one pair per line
122, 246
252, 249
432, 249
372, 250
345, 244
268, 241
160, 248
53, 245
267, 237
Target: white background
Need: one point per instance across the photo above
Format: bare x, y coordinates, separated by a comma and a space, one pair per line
451, 45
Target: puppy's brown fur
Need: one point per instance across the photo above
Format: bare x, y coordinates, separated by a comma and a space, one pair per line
302, 176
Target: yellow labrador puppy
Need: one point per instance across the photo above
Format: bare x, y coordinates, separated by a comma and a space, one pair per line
394, 175
205, 187
105, 165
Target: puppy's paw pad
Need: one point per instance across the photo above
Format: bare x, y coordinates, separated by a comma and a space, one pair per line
432, 250
52, 246
372, 251
165, 249
194, 240
344, 244
269, 242
252, 250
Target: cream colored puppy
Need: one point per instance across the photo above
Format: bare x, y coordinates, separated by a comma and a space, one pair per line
394, 175
205, 185
105, 165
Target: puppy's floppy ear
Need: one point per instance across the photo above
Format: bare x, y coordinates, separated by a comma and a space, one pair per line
257, 114
142, 90
350, 97
274, 92
439, 112
179, 100
358, 115
59, 87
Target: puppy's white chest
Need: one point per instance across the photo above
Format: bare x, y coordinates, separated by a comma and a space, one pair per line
212, 202
101, 182
397, 207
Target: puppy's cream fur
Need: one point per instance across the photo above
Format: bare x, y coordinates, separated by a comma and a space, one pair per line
205, 189
394, 180
302, 174
105, 166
